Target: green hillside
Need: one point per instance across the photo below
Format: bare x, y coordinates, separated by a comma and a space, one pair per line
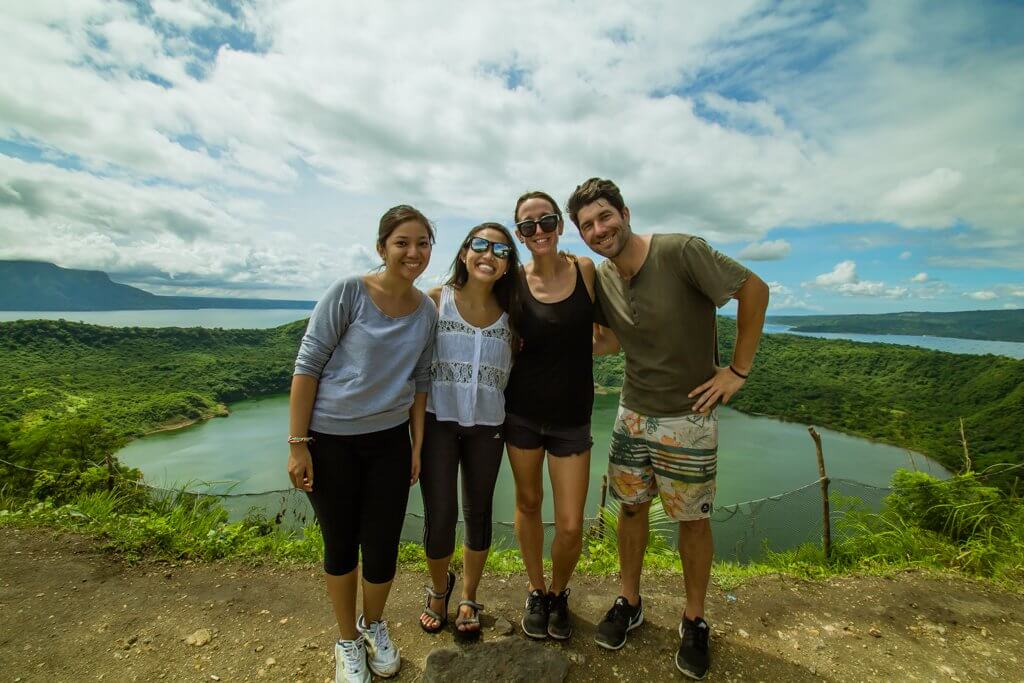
995, 325
67, 388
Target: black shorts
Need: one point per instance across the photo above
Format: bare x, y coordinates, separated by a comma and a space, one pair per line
523, 432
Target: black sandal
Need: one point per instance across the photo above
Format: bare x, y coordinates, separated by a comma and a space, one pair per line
465, 621
446, 596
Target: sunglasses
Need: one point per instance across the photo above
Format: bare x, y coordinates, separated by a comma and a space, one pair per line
547, 223
481, 245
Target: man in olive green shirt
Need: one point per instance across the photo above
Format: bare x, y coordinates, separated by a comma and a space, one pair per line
659, 295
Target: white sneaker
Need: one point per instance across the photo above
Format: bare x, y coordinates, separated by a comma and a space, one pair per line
350, 661
382, 654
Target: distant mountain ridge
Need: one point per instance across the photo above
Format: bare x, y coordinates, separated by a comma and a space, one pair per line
1007, 325
41, 286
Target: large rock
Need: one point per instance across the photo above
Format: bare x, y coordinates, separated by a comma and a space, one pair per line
505, 659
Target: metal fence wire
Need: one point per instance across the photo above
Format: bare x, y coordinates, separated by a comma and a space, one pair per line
742, 531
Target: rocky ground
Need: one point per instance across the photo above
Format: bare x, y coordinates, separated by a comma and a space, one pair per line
71, 612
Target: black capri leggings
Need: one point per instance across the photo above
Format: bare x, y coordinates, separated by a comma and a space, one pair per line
478, 449
360, 490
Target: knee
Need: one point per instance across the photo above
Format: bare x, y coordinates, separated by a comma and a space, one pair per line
570, 530
529, 503
631, 511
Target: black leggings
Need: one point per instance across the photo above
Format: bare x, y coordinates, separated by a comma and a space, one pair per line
360, 490
478, 449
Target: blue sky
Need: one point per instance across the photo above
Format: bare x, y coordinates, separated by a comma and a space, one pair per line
861, 157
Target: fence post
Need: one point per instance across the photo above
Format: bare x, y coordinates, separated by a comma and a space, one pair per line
967, 454
823, 478
600, 508
109, 460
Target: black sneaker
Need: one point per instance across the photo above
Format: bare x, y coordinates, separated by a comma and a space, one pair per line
535, 620
694, 657
559, 621
620, 620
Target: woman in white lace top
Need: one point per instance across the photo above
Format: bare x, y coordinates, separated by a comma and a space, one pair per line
465, 414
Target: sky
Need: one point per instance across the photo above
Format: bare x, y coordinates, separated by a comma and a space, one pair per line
858, 156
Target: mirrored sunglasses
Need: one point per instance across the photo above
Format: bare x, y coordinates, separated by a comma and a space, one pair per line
481, 245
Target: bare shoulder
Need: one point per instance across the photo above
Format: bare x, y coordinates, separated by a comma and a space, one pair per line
589, 272
435, 295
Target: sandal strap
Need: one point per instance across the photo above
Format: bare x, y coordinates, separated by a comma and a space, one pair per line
472, 603
433, 593
432, 614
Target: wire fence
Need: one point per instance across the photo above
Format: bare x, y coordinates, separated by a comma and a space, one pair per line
743, 531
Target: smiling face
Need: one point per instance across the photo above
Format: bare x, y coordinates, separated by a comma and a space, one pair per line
485, 266
540, 242
406, 251
603, 228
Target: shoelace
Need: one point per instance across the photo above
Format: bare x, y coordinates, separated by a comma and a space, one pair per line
381, 637
535, 602
621, 612
696, 637
353, 653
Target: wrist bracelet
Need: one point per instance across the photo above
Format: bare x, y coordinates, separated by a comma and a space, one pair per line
300, 439
738, 373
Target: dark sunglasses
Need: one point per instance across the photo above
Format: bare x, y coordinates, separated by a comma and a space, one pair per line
481, 245
547, 223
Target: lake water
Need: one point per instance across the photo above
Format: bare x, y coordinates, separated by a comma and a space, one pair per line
758, 457
948, 344
227, 318
230, 318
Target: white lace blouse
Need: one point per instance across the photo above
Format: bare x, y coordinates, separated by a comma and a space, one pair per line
470, 367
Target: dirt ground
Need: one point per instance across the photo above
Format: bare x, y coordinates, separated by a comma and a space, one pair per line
71, 612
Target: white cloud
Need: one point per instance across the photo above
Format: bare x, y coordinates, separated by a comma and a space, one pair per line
790, 302
1011, 306
920, 277
769, 250
844, 272
868, 116
905, 255
982, 295
776, 288
843, 279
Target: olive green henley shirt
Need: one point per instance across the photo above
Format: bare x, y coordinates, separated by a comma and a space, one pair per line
665, 319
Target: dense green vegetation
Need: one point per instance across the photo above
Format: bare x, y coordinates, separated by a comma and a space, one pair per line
40, 286
71, 393
997, 325
959, 524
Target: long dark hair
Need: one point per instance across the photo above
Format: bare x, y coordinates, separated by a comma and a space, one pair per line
507, 288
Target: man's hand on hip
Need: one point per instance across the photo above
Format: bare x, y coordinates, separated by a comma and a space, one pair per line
722, 385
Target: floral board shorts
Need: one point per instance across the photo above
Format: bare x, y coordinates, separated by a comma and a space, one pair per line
673, 457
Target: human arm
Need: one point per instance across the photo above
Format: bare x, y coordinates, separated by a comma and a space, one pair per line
327, 325
605, 341
417, 417
300, 408
421, 378
752, 297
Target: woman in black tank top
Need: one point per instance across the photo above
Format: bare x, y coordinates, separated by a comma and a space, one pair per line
548, 401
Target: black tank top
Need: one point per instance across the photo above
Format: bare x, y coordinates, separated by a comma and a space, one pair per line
552, 379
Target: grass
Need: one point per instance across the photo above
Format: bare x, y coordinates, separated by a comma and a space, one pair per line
959, 525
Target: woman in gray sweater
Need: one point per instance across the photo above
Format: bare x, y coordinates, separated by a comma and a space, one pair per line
358, 401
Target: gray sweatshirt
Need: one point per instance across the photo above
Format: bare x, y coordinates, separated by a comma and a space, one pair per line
369, 364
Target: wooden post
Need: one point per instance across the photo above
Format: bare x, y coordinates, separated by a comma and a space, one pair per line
600, 508
110, 470
827, 536
967, 454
